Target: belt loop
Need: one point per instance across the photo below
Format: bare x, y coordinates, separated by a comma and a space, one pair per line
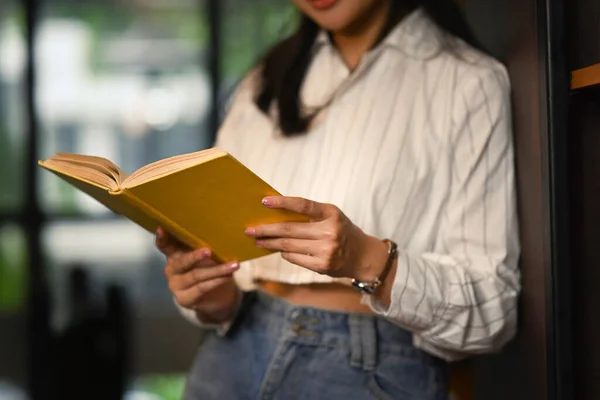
368, 336
355, 340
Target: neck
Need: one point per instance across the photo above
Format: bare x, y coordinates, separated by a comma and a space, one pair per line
356, 40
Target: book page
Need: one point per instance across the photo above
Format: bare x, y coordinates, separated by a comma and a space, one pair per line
169, 165
89, 171
94, 161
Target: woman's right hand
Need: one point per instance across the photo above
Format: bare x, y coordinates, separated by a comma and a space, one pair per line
197, 281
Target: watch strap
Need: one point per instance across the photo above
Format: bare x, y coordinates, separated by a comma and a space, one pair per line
371, 287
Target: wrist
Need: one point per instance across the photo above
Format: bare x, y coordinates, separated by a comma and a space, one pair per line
374, 258
217, 312
384, 292
373, 278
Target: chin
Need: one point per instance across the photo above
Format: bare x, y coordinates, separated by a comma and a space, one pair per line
334, 25
339, 15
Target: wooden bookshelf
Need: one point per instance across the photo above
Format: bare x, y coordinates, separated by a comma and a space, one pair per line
585, 77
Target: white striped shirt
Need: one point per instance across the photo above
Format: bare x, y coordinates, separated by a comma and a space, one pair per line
416, 146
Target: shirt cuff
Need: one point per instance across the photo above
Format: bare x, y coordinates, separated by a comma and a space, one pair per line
407, 307
375, 305
221, 328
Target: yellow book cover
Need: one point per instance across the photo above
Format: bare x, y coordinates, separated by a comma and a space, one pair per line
204, 199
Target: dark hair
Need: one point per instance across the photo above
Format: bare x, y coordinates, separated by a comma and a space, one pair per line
285, 65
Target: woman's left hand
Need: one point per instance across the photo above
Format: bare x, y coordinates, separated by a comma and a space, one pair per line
329, 244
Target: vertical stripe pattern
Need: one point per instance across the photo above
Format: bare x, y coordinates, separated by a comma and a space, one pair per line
416, 146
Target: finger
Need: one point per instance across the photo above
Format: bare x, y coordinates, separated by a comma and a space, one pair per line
185, 261
198, 275
305, 261
312, 209
287, 245
297, 230
191, 296
167, 244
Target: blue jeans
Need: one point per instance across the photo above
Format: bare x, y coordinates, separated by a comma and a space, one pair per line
276, 350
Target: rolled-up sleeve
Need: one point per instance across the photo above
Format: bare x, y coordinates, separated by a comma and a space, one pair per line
461, 298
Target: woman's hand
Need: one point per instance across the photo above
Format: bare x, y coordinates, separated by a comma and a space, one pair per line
198, 282
329, 244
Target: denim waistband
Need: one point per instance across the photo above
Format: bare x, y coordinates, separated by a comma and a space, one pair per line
364, 335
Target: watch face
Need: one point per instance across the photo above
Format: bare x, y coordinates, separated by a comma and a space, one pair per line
363, 287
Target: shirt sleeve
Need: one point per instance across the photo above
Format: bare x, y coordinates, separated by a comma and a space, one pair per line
461, 298
221, 328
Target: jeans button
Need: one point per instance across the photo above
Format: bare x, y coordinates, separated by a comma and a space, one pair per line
296, 315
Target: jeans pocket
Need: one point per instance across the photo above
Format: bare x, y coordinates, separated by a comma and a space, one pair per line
400, 378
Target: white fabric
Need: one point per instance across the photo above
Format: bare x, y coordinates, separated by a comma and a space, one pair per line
416, 146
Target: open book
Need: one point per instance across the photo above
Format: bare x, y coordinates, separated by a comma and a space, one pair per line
204, 199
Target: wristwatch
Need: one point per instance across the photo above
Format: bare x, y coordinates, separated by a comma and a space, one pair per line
371, 287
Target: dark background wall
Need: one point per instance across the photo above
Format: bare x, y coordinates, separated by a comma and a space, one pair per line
585, 187
583, 21
515, 32
557, 353
583, 36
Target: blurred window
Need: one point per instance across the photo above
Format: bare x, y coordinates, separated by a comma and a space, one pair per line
13, 262
248, 29
13, 335
128, 80
125, 80
12, 68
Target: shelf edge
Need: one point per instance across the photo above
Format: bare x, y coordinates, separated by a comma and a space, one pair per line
584, 77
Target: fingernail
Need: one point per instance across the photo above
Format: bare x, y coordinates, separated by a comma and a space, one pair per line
267, 201
251, 232
234, 265
206, 253
259, 243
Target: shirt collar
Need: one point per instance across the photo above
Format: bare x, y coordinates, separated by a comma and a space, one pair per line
416, 36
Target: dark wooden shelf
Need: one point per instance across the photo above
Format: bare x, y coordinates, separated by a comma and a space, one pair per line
584, 77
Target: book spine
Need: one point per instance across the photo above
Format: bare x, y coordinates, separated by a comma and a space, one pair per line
182, 234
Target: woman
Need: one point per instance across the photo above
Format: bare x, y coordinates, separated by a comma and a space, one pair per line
392, 133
